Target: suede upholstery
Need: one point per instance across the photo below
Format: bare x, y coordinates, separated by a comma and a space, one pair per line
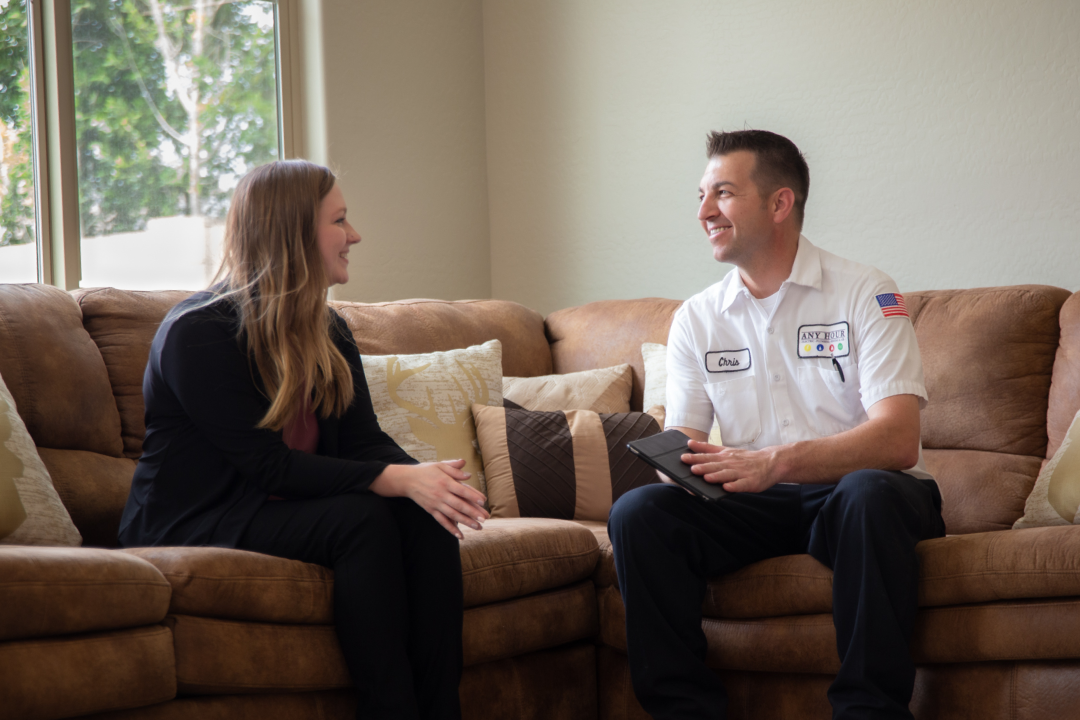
171, 633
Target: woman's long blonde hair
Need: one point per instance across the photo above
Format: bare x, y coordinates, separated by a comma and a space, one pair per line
273, 271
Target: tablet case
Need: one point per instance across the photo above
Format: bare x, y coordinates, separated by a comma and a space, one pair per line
663, 451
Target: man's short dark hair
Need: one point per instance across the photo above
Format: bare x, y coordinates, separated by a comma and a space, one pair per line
778, 163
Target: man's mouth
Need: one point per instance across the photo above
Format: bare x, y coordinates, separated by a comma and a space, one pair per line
714, 231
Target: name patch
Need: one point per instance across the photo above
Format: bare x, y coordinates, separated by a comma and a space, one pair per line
825, 341
720, 361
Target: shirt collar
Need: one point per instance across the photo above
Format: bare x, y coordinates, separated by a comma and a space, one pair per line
806, 270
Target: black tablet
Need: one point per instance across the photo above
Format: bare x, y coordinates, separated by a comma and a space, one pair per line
663, 451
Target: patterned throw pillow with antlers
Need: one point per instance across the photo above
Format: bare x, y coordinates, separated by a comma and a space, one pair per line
569, 465
424, 402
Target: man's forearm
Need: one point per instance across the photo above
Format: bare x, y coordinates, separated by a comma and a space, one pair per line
889, 440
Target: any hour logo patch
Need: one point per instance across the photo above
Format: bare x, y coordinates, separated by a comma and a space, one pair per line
727, 360
825, 341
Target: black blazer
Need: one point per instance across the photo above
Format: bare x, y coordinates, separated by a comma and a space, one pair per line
205, 468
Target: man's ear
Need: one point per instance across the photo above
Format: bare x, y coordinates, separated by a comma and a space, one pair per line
782, 204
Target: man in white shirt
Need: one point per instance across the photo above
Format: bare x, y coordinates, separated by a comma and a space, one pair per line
810, 365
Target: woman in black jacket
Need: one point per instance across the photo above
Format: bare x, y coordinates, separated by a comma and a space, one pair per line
260, 435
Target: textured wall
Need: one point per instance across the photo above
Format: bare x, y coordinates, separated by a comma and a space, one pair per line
943, 138
403, 90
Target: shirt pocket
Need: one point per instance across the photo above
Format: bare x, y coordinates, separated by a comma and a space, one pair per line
735, 403
833, 404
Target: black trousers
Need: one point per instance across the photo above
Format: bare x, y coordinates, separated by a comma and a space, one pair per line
397, 595
667, 543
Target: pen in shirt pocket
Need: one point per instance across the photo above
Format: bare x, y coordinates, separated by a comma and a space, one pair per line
839, 369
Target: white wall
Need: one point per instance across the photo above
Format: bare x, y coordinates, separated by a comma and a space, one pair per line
943, 137
399, 115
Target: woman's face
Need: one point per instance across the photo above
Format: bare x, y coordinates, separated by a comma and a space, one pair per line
335, 236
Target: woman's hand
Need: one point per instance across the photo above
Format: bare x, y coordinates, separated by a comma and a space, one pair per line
439, 488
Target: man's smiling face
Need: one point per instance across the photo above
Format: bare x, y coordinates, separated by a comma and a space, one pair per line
733, 212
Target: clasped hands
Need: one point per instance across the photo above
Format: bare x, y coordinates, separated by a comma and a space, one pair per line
440, 489
734, 469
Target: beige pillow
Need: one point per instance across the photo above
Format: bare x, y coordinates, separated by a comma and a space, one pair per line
424, 402
1055, 498
604, 390
23, 474
655, 397
569, 465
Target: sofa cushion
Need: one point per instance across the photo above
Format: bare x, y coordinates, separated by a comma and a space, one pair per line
1008, 630
422, 326
58, 591
79, 674
571, 465
94, 489
955, 570
981, 491
241, 585
603, 390
122, 324
609, 332
54, 371
988, 355
216, 656
507, 559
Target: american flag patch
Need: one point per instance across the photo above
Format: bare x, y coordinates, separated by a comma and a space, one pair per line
892, 305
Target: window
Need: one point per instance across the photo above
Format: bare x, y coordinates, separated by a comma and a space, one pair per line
153, 110
18, 227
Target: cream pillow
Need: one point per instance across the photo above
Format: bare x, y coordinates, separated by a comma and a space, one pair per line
1055, 498
424, 402
604, 390
23, 475
655, 398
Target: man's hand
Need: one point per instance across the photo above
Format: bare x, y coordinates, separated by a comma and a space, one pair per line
439, 488
736, 470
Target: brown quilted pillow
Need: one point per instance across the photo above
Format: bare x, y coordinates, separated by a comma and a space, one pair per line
570, 465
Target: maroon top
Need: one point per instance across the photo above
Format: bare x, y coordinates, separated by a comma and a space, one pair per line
301, 433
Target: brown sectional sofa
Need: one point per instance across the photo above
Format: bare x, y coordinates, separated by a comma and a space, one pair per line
212, 633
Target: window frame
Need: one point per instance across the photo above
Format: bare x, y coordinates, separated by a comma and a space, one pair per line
56, 173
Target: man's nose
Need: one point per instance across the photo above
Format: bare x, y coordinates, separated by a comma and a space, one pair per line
706, 209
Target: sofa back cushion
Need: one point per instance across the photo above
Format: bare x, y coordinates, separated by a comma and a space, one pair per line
123, 324
54, 371
423, 326
988, 355
609, 332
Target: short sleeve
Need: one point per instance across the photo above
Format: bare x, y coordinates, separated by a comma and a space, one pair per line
687, 404
889, 359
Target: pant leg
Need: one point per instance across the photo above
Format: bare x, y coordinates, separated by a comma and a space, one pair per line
433, 584
666, 544
360, 538
866, 531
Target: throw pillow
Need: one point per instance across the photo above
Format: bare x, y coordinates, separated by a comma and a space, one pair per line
604, 390
654, 400
424, 402
1055, 498
46, 520
570, 465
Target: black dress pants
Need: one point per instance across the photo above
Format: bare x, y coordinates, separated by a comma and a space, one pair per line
397, 595
667, 543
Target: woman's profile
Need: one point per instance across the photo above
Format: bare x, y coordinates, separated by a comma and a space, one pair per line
260, 435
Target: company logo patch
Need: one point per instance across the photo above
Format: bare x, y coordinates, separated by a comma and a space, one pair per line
727, 360
825, 341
